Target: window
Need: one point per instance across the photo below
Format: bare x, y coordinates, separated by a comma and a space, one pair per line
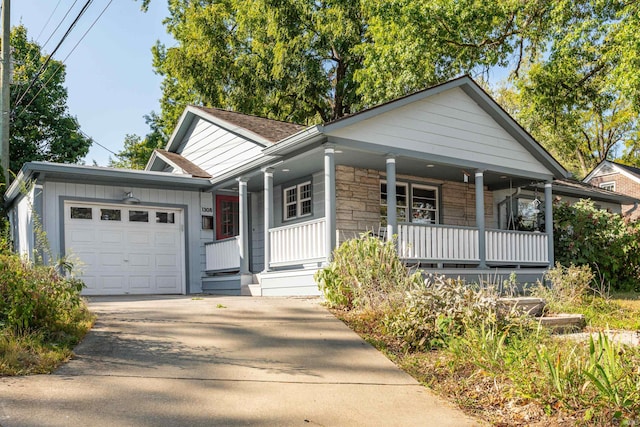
165, 217
611, 185
401, 202
81, 213
138, 216
110, 214
424, 204
297, 200
207, 222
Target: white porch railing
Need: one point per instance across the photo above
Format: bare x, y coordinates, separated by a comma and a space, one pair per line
438, 242
223, 255
516, 247
298, 243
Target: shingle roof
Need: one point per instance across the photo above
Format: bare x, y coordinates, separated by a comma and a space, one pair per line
184, 164
579, 188
631, 169
269, 129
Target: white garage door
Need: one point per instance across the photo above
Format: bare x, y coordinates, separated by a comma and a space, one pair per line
121, 249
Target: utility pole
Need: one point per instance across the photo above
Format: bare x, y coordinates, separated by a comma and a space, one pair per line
5, 79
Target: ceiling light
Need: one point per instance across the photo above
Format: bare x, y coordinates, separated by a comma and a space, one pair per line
286, 170
430, 165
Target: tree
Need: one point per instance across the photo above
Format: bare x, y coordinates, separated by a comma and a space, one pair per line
137, 150
41, 127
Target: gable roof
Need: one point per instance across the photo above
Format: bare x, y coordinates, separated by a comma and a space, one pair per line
177, 161
468, 86
608, 167
270, 129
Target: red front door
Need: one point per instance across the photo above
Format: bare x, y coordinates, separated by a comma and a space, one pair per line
227, 217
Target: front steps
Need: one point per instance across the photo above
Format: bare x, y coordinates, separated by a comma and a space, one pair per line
560, 323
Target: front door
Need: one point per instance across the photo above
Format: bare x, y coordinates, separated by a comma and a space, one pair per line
227, 217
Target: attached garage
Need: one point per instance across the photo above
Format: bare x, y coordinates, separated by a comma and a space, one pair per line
123, 249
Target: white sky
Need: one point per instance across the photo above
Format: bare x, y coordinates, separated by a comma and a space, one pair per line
110, 79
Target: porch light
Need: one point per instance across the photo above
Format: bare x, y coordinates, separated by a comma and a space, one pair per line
129, 199
286, 170
430, 165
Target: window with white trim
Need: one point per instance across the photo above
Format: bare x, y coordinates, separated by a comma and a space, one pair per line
415, 203
611, 185
297, 200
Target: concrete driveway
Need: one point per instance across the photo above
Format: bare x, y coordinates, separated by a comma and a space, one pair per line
221, 361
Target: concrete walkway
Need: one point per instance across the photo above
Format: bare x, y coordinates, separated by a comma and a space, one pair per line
221, 361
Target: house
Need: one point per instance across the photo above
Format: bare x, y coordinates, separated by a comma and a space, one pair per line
620, 178
242, 204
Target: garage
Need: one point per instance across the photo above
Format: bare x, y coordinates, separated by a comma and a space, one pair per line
125, 249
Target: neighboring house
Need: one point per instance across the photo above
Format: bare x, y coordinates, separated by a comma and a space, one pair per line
238, 203
620, 178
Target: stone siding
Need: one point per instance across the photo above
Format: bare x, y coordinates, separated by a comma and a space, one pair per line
358, 200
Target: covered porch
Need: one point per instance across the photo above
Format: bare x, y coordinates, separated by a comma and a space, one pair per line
293, 213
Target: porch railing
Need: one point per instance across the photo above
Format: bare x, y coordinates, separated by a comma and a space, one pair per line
298, 243
223, 255
516, 247
438, 243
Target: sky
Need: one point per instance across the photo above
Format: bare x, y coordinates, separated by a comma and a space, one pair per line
110, 80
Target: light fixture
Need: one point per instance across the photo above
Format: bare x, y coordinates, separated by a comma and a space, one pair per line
129, 199
286, 170
430, 165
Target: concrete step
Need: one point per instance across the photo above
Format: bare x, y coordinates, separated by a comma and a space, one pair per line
563, 323
251, 290
523, 305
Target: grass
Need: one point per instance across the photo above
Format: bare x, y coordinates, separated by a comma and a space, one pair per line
522, 376
39, 351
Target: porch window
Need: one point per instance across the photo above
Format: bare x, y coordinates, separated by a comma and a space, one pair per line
414, 203
297, 200
402, 190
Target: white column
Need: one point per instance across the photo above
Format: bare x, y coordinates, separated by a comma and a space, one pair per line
268, 215
548, 220
330, 199
482, 249
392, 216
244, 225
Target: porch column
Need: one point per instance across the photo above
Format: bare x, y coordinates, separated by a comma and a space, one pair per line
548, 220
482, 249
268, 215
392, 218
330, 199
243, 213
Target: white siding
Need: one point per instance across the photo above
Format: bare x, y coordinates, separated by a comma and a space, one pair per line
214, 149
195, 236
22, 225
448, 124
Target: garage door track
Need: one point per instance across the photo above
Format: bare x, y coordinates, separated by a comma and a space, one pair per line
221, 361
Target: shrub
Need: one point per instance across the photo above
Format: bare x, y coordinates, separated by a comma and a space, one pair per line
568, 286
586, 235
438, 311
365, 273
34, 297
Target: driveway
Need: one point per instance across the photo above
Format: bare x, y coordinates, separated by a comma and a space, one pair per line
221, 361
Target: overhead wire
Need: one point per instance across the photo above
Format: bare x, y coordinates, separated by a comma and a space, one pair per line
46, 62
48, 20
60, 23
65, 59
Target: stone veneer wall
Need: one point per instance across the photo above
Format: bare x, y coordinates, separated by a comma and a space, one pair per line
358, 200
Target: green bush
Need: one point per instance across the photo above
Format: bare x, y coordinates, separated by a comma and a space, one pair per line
567, 286
609, 244
365, 273
36, 297
438, 311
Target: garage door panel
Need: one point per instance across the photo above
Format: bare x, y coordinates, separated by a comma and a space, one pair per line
126, 257
167, 283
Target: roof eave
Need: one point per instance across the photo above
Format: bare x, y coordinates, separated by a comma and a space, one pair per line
295, 142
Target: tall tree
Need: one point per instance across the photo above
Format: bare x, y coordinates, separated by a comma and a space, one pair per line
137, 150
41, 126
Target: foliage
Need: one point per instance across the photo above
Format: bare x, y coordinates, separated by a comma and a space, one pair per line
36, 297
586, 235
41, 127
365, 273
443, 308
567, 286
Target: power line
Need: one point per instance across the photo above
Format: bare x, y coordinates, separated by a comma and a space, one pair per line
60, 23
48, 20
65, 59
46, 62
